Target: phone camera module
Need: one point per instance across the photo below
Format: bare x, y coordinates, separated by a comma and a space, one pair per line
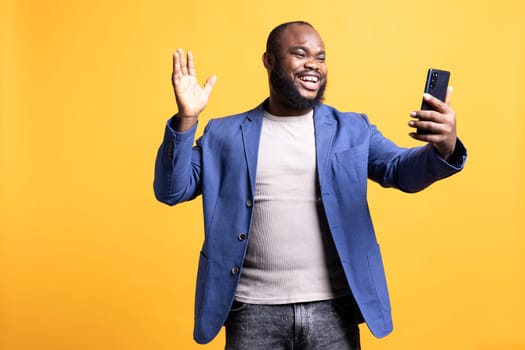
433, 80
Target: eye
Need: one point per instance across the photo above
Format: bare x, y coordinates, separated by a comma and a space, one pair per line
299, 55
321, 58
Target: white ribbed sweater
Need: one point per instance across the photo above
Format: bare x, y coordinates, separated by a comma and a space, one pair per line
291, 257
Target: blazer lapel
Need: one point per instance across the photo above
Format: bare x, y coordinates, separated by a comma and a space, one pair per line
251, 133
324, 135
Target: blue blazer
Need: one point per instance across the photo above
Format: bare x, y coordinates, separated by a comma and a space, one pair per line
222, 167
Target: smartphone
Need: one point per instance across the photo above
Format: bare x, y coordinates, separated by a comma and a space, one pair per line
436, 85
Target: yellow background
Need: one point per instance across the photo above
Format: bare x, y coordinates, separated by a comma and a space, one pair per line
89, 259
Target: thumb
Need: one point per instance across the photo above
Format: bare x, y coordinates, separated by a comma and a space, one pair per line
210, 83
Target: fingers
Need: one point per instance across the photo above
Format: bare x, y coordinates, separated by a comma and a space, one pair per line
176, 74
191, 64
438, 122
433, 130
433, 126
431, 121
444, 141
440, 107
422, 124
182, 65
191, 97
428, 126
436, 103
426, 115
183, 62
210, 83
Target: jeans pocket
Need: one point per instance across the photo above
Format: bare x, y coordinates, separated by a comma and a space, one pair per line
238, 306
236, 314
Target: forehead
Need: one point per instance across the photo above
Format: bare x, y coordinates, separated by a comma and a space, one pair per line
301, 35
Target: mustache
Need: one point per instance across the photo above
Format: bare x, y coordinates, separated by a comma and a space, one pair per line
285, 87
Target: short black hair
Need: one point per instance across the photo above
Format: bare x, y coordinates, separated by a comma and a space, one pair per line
272, 44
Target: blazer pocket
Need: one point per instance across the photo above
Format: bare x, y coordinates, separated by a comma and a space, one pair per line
350, 167
353, 152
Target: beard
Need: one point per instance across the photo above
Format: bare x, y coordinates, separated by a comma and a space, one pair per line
285, 87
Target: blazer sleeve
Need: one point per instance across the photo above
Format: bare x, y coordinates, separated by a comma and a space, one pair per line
409, 169
178, 167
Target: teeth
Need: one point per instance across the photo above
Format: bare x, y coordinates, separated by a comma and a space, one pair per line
310, 78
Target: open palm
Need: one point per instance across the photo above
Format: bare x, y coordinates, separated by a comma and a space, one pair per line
190, 96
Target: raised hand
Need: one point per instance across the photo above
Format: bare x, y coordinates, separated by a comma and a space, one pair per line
190, 96
440, 124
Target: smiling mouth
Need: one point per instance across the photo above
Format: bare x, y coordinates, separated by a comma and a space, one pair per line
309, 78
309, 81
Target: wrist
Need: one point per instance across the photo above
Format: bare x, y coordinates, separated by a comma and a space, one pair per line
181, 122
446, 151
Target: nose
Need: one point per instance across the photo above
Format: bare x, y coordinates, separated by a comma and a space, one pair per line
312, 64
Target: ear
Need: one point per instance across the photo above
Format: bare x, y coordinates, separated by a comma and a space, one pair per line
268, 60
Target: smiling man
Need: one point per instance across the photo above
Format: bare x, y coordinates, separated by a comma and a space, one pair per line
297, 72
290, 259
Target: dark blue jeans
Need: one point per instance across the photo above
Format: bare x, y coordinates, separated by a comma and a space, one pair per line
319, 325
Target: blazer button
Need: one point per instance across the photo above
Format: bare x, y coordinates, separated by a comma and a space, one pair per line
241, 236
249, 203
235, 270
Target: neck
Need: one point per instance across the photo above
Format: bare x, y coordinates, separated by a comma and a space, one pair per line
277, 106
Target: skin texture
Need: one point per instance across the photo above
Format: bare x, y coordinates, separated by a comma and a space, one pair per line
191, 98
441, 124
301, 57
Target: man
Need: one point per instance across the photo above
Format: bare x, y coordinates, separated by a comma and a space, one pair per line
290, 258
